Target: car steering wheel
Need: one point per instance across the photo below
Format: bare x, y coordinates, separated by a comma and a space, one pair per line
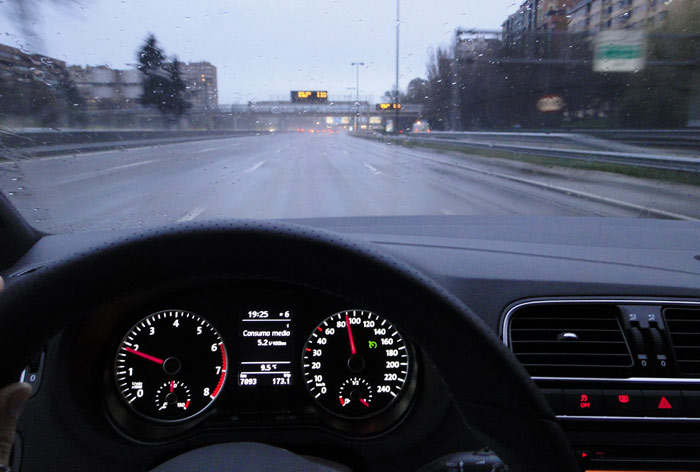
493, 393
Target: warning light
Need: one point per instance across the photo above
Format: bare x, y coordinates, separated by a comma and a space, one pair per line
623, 398
584, 455
664, 404
584, 404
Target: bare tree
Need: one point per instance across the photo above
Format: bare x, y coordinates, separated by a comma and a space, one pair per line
24, 13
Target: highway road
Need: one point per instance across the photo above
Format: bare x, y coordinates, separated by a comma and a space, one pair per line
318, 175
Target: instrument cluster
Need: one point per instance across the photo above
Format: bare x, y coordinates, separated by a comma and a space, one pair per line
257, 355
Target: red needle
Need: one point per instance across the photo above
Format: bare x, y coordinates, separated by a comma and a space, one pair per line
145, 356
171, 386
364, 402
352, 341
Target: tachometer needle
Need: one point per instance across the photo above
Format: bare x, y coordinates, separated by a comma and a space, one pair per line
364, 402
172, 386
144, 355
352, 340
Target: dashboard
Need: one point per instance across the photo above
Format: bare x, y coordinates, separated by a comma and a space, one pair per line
159, 371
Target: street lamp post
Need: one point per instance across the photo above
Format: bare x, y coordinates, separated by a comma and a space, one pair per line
357, 90
396, 98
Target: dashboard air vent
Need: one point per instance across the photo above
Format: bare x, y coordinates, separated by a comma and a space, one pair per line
569, 340
683, 325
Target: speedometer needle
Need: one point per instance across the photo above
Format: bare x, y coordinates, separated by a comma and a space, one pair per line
352, 341
144, 355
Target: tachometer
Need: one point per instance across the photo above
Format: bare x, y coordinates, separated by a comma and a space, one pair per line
170, 366
355, 364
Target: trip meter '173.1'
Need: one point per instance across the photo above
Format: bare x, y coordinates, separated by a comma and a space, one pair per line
356, 364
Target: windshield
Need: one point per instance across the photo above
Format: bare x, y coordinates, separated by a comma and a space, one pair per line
124, 114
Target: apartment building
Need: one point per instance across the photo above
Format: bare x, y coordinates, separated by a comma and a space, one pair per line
592, 16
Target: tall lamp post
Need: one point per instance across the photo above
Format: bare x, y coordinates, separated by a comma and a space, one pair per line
396, 98
357, 90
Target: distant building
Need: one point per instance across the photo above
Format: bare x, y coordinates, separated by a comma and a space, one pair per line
107, 88
202, 86
552, 15
18, 67
592, 16
522, 21
469, 47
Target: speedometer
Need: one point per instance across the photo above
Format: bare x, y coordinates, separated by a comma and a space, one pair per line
356, 364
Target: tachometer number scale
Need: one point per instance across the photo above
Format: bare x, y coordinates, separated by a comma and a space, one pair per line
170, 366
355, 364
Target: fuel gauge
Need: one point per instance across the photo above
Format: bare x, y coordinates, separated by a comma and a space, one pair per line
355, 396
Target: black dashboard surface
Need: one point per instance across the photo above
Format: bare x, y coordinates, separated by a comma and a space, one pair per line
491, 262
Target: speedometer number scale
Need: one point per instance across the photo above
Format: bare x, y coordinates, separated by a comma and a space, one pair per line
355, 364
170, 366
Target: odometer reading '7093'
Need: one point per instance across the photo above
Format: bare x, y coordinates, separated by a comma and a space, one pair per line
355, 364
170, 366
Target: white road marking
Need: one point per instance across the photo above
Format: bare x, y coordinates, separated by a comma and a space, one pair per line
447, 212
256, 166
218, 148
135, 164
565, 190
192, 214
373, 169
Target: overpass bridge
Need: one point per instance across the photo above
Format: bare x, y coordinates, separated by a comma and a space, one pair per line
286, 116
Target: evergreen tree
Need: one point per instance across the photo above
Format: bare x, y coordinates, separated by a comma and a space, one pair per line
178, 104
163, 87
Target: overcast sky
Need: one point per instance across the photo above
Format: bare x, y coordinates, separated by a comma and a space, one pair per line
265, 48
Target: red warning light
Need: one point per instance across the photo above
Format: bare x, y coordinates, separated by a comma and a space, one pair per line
584, 403
664, 404
623, 398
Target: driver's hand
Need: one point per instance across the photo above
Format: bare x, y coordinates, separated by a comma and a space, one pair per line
12, 400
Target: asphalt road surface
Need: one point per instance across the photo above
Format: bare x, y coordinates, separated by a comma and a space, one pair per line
318, 175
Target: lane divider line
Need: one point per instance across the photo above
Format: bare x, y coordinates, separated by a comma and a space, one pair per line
256, 166
192, 214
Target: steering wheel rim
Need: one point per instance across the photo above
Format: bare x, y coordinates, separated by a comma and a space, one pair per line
492, 391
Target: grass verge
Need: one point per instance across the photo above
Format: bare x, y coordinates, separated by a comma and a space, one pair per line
676, 176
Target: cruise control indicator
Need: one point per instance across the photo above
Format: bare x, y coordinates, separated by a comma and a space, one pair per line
355, 364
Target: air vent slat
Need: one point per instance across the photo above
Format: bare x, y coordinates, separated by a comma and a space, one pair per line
569, 339
684, 329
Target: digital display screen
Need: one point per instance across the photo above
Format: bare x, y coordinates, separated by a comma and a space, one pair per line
314, 96
388, 106
266, 349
